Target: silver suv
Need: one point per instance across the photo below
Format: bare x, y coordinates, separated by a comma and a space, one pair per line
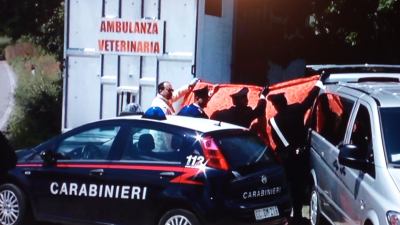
355, 146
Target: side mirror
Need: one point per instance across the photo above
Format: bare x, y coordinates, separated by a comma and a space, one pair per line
350, 156
49, 157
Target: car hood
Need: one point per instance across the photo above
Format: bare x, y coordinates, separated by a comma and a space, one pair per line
22, 154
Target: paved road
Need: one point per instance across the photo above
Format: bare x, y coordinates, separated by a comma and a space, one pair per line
305, 214
7, 86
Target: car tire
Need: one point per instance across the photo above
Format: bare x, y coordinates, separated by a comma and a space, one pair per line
314, 212
177, 217
13, 205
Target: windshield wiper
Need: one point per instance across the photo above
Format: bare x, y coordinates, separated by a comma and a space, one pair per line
262, 153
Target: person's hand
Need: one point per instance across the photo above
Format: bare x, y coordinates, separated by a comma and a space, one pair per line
213, 90
193, 82
324, 76
265, 90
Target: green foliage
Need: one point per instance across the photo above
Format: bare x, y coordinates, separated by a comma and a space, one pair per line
319, 31
4, 41
386, 5
37, 112
356, 31
53, 33
40, 19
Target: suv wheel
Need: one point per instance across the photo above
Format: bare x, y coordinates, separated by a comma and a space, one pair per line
315, 215
178, 217
13, 205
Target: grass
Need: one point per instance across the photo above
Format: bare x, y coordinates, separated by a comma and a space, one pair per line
37, 112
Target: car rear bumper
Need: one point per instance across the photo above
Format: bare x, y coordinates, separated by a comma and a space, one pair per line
230, 221
246, 212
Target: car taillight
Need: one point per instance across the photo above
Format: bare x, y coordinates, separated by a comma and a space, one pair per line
213, 154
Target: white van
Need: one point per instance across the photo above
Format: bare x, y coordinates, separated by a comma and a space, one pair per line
355, 147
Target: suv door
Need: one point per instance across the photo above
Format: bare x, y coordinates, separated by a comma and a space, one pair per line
150, 165
354, 183
66, 188
331, 115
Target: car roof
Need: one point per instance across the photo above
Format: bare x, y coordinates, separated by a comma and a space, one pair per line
197, 124
379, 81
351, 68
386, 93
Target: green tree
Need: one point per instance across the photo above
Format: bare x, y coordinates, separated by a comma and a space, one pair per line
42, 20
37, 113
320, 31
356, 30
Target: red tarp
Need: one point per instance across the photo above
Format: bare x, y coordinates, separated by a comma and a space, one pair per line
295, 91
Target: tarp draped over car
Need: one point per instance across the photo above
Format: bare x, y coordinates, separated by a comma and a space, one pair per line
295, 91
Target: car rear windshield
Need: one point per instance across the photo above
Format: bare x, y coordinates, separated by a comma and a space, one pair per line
390, 124
243, 149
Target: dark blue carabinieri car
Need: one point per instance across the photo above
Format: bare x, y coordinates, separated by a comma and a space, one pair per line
133, 170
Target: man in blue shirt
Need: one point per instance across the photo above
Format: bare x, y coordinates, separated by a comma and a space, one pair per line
195, 109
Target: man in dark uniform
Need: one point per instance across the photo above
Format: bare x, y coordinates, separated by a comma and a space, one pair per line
240, 113
289, 134
195, 109
8, 159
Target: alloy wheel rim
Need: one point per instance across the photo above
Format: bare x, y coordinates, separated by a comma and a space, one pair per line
9, 207
313, 207
178, 220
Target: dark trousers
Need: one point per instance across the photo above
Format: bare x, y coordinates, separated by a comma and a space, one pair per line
296, 165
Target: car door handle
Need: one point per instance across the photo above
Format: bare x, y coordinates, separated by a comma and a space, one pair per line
167, 174
336, 165
96, 172
342, 171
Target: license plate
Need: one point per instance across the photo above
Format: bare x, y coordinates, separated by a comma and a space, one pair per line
266, 212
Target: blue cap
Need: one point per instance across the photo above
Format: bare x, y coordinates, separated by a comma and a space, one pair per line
155, 113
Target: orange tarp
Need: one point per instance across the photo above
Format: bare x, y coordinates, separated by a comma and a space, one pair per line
295, 91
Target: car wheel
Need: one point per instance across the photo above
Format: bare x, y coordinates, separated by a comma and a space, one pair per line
315, 215
178, 217
13, 205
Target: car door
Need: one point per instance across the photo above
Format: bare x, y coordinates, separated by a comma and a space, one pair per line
149, 168
330, 120
70, 187
352, 198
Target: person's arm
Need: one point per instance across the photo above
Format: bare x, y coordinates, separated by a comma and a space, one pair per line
180, 93
183, 90
259, 110
312, 95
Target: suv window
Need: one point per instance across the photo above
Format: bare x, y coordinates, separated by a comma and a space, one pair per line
390, 124
361, 134
93, 144
153, 145
331, 116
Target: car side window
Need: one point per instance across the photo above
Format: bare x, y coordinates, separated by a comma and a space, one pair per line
361, 134
331, 117
146, 144
92, 144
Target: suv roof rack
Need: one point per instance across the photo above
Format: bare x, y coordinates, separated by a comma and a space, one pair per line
352, 68
356, 73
